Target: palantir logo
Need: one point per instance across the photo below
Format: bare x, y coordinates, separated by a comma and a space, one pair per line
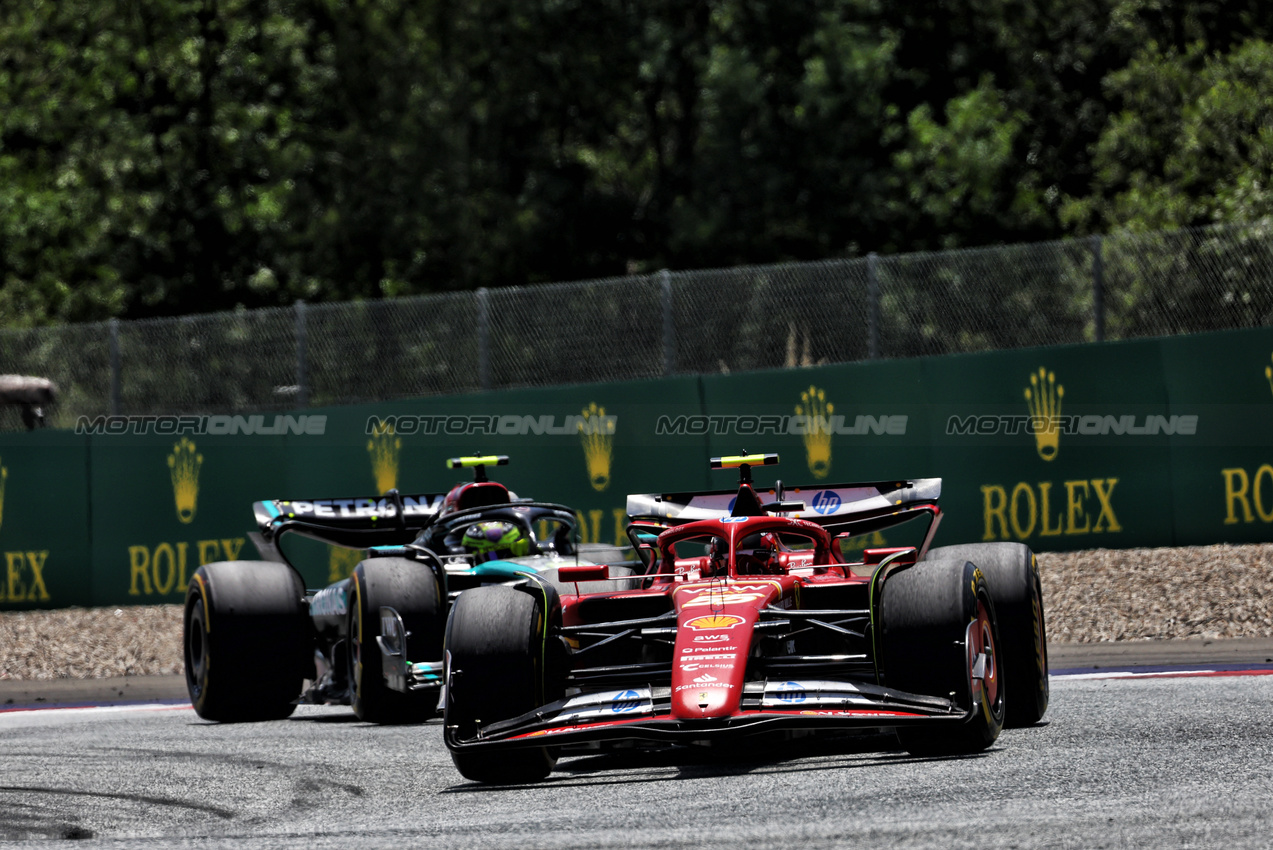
626, 701
826, 502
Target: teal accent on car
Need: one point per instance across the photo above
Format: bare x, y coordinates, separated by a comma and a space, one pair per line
502, 569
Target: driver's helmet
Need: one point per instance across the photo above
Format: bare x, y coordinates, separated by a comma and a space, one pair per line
757, 555
491, 541
717, 558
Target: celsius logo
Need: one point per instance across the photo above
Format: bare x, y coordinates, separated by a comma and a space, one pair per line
625, 701
826, 502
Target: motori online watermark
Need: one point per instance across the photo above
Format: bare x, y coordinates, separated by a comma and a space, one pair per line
501, 424
313, 425
797, 425
1086, 425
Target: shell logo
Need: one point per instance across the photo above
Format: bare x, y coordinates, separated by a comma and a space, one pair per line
713, 622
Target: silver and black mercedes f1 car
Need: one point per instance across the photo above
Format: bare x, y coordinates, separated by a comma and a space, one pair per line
254, 635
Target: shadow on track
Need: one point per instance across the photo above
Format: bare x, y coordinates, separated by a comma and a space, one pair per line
691, 762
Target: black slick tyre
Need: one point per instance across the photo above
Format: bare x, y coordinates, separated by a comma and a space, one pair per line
495, 650
936, 619
1012, 572
246, 640
411, 589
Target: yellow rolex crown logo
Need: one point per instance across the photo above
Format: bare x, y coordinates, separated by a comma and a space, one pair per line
596, 434
817, 432
341, 562
1043, 400
1268, 376
384, 447
183, 466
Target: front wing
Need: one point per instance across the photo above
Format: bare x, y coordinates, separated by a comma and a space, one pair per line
644, 714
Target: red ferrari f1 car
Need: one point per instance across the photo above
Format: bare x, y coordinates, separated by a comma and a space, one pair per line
745, 617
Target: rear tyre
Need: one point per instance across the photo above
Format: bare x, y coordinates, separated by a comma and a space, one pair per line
495, 653
1012, 573
411, 589
936, 618
246, 640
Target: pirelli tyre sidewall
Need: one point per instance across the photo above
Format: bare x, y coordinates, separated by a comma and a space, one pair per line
935, 619
1012, 573
410, 588
495, 667
246, 640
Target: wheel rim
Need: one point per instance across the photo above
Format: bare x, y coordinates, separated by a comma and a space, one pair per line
196, 647
355, 644
982, 640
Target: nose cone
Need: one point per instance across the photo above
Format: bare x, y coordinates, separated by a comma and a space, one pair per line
711, 703
715, 622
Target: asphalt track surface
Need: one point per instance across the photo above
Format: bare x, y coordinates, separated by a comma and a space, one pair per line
1170, 754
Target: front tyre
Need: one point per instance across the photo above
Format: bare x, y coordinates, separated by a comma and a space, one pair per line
939, 637
495, 642
246, 640
1013, 575
411, 589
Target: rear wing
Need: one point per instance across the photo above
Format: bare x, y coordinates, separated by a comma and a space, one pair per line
391, 519
834, 505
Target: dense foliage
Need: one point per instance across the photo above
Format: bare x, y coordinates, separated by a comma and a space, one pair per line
169, 156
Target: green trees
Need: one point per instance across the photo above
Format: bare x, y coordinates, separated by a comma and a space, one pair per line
178, 156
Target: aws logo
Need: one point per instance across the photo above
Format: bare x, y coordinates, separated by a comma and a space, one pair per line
384, 447
596, 436
817, 440
1043, 400
183, 466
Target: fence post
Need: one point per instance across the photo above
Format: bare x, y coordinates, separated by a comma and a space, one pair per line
669, 323
302, 355
114, 358
483, 338
1098, 289
873, 304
